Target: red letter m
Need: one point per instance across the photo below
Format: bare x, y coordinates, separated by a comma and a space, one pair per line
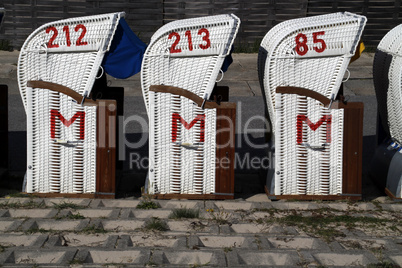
304, 118
176, 117
67, 123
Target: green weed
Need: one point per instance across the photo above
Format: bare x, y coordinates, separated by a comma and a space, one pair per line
188, 213
156, 224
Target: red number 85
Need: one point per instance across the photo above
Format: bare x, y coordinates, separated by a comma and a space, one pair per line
301, 43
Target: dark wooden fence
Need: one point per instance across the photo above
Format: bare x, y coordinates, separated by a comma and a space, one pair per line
145, 17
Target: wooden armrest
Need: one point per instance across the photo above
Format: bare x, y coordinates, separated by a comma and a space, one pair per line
62, 89
190, 95
304, 92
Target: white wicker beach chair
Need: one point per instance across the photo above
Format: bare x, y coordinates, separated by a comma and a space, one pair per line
309, 53
186, 54
62, 158
391, 45
387, 76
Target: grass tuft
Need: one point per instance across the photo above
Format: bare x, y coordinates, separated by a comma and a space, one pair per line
66, 205
186, 213
148, 205
156, 224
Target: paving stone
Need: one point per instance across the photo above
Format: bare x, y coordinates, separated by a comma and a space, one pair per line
118, 203
124, 242
4, 213
84, 240
153, 240
365, 206
396, 207
181, 242
353, 232
233, 205
361, 258
247, 228
181, 204
194, 258
126, 213
111, 241
98, 213
42, 256
194, 242
120, 257
97, 203
9, 225
225, 229
33, 213
21, 240
256, 242
145, 214
51, 202
61, 225
294, 205
397, 259
335, 246
15, 200
306, 259
55, 241
180, 226
221, 241
338, 206
263, 257
122, 225
369, 243
298, 243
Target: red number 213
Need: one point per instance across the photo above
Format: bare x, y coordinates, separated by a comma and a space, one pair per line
206, 41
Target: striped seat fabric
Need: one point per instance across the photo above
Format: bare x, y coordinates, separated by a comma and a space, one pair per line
311, 53
186, 54
62, 158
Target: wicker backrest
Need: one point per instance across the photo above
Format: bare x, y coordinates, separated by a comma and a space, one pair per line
311, 52
186, 54
387, 75
67, 52
61, 133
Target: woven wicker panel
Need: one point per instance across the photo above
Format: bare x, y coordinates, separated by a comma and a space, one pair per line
61, 134
195, 67
311, 52
184, 164
391, 44
313, 164
74, 64
66, 162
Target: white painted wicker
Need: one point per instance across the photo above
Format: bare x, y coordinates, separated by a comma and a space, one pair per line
311, 53
313, 164
62, 158
187, 54
297, 56
392, 45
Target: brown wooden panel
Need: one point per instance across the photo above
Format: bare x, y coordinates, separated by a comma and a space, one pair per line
352, 148
225, 150
312, 197
106, 149
192, 196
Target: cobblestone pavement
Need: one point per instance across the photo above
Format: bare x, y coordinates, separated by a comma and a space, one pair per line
37, 232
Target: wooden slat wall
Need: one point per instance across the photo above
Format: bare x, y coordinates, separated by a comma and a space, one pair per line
382, 15
257, 16
24, 16
145, 17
